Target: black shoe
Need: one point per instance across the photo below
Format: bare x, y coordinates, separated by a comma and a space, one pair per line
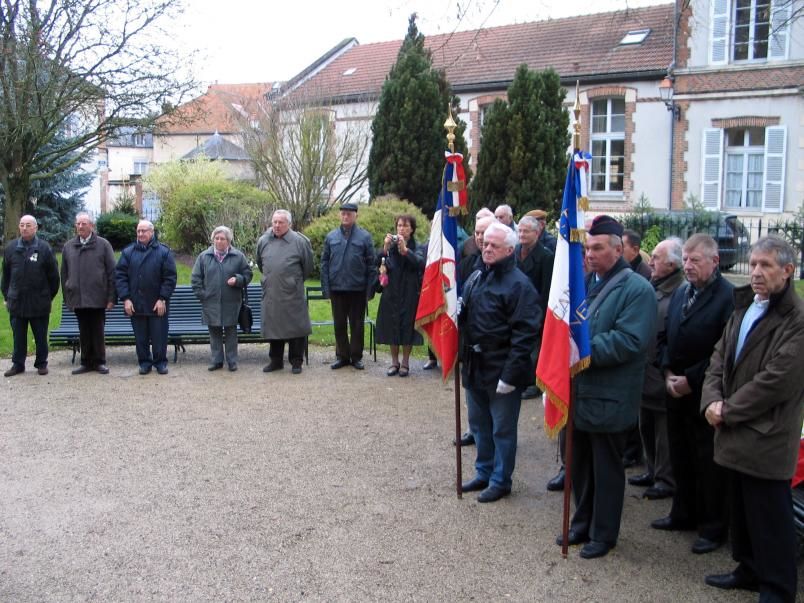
631, 462
81, 370
657, 493
296, 370
144, 370
557, 483
732, 581
474, 485
670, 524
358, 364
339, 363
233, 367
42, 370
215, 367
492, 493
531, 392
14, 370
573, 537
467, 439
270, 368
594, 549
430, 365
642, 480
162, 370
702, 545
102, 369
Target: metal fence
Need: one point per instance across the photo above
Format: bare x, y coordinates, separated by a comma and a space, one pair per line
734, 235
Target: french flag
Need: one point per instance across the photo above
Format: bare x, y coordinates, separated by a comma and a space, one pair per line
566, 349
437, 313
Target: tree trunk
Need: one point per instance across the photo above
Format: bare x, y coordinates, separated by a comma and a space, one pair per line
16, 195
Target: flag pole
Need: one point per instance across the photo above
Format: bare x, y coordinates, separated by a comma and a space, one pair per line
450, 126
576, 145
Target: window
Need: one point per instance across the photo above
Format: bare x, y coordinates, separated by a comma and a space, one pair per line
139, 140
636, 36
749, 30
746, 166
608, 144
140, 167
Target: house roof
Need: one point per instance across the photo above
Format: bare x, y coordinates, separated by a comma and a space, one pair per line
217, 147
214, 110
128, 136
585, 47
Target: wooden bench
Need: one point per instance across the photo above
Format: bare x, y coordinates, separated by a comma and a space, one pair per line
317, 294
184, 323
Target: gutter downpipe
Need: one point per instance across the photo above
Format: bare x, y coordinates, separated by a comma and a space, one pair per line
670, 68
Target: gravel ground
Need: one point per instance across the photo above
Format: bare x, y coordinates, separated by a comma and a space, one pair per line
336, 486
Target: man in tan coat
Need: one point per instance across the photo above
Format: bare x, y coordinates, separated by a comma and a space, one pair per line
753, 396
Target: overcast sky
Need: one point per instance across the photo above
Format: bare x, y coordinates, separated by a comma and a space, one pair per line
243, 41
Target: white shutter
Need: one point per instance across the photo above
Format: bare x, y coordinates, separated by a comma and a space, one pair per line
780, 29
719, 32
711, 166
775, 145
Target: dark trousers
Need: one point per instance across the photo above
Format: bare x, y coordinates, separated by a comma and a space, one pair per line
598, 484
348, 306
700, 496
633, 446
91, 322
151, 335
295, 351
763, 539
19, 331
653, 429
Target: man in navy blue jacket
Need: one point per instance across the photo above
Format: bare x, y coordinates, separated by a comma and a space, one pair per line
146, 278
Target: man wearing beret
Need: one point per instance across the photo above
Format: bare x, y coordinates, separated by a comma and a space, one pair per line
621, 311
348, 272
545, 238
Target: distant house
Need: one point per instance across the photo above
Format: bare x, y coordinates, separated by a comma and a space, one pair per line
620, 58
739, 134
208, 124
128, 158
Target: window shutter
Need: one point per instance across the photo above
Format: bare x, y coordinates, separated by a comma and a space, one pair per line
712, 156
780, 29
773, 187
719, 33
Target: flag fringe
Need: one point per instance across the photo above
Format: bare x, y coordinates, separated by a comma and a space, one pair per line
583, 203
579, 366
561, 405
434, 349
577, 235
457, 211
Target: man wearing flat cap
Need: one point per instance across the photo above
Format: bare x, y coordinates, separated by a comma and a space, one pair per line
545, 238
621, 310
348, 272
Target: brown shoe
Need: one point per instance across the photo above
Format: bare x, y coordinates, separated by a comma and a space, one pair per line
42, 370
14, 370
102, 369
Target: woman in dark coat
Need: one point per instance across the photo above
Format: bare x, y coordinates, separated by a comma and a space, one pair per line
404, 265
219, 276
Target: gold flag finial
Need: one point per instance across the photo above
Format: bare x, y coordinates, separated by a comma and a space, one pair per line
576, 109
450, 126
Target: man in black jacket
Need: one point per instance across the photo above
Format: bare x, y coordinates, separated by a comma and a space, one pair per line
695, 319
29, 284
497, 323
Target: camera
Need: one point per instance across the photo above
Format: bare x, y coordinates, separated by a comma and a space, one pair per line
394, 239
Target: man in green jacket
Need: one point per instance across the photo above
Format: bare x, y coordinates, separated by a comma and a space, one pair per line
621, 310
753, 396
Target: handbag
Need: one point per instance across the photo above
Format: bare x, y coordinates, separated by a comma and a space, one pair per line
245, 318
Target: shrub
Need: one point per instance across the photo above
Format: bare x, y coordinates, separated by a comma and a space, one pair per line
118, 228
377, 218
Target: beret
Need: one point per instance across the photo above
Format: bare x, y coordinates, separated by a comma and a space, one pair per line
606, 225
539, 214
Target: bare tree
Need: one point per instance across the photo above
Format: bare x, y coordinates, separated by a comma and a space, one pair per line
305, 156
78, 70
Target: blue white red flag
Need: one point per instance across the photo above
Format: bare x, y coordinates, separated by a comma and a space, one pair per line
566, 331
437, 314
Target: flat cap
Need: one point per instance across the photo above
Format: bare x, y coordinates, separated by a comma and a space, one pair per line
349, 207
606, 225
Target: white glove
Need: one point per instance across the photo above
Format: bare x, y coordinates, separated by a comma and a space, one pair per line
504, 388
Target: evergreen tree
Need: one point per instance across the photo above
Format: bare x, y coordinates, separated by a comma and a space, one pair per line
408, 136
523, 157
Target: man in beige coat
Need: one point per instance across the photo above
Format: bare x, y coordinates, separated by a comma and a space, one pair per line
285, 258
753, 395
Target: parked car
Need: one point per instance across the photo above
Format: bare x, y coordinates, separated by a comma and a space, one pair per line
730, 233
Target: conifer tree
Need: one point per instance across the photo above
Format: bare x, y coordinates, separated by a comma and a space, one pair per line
523, 156
408, 136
